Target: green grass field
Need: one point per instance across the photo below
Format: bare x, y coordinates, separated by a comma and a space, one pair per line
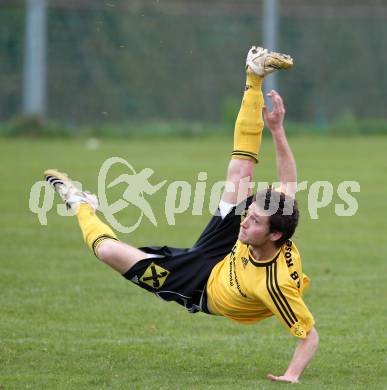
69, 322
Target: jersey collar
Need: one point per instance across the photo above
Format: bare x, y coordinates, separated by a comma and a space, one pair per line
263, 263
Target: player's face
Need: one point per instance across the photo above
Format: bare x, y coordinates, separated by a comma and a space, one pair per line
254, 229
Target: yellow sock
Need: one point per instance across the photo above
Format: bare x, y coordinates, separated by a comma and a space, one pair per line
94, 231
249, 123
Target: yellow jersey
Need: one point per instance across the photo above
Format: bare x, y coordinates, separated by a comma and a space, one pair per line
247, 291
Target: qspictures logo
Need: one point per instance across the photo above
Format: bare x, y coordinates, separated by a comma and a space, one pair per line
137, 189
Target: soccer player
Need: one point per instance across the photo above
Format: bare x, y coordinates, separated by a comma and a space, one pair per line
244, 267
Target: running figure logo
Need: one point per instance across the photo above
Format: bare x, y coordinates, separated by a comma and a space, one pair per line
137, 185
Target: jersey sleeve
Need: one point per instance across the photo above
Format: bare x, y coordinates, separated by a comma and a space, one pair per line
287, 305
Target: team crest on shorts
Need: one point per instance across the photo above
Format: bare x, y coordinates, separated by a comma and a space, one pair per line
154, 276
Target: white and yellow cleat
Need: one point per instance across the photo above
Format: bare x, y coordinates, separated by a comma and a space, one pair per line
71, 195
262, 61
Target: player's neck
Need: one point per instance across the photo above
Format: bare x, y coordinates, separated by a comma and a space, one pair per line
264, 252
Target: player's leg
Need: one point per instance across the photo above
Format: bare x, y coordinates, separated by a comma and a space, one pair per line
249, 123
99, 237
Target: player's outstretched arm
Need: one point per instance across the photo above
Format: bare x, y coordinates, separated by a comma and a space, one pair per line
303, 354
286, 165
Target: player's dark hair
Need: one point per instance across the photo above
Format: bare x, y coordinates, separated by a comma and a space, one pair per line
284, 212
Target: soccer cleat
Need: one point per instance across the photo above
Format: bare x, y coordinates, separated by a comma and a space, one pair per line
262, 61
68, 191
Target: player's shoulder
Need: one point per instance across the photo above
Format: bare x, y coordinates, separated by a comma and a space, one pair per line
289, 250
240, 248
291, 265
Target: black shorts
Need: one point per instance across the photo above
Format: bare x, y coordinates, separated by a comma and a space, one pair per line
181, 274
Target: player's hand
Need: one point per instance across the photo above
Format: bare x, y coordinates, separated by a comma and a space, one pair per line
282, 378
274, 119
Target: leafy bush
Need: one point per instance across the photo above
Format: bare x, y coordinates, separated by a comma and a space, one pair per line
37, 127
33, 126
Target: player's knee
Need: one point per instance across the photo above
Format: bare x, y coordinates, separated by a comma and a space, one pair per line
105, 249
239, 169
